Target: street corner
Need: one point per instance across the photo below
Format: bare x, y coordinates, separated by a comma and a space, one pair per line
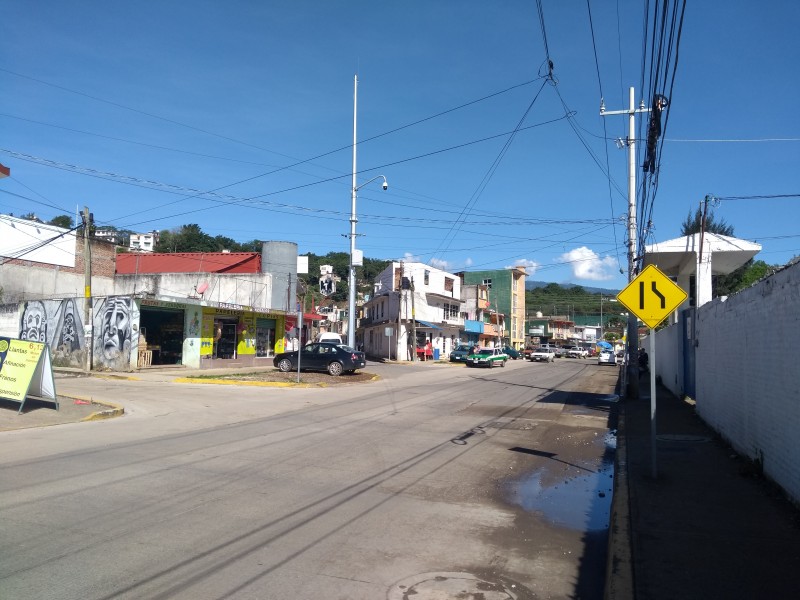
40, 413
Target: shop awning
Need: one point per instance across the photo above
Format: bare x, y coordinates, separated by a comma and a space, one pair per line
426, 325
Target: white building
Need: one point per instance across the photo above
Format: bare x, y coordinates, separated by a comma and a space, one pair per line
412, 298
144, 242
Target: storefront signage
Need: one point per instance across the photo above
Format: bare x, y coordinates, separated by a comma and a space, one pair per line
163, 304
229, 306
25, 369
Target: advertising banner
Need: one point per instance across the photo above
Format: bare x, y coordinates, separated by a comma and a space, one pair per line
25, 370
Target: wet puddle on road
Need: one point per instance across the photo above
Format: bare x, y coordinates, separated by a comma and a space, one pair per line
579, 499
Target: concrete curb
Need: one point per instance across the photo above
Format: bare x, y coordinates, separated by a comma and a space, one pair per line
110, 411
619, 563
280, 384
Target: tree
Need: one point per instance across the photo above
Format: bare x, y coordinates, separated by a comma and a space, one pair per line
64, 221
31, 217
721, 285
693, 224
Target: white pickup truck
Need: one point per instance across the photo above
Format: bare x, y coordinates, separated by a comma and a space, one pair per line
543, 354
577, 352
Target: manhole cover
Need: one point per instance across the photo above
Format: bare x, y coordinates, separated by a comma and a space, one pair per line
682, 437
443, 586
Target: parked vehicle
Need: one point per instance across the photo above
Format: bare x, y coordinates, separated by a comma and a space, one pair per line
543, 354
334, 338
577, 352
606, 357
322, 356
561, 351
526, 353
487, 357
460, 353
513, 353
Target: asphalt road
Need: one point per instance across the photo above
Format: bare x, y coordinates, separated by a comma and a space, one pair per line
432, 481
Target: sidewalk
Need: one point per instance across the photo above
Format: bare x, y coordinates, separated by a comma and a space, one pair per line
708, 526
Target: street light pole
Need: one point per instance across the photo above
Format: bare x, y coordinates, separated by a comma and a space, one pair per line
351, 304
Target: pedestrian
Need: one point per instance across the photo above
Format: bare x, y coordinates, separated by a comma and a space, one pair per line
644, 360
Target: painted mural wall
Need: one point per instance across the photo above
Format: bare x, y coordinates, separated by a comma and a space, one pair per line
116, 333
59, 324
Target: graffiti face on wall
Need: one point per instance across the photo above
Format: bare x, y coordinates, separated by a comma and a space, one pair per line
34, 322
116, 328
69, 329
57, 323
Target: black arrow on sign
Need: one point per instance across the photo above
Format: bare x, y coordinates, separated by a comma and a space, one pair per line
660, 295
655, 291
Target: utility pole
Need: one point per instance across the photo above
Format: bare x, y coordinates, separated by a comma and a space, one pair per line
632, 368
87, 287
413, 324
351, 299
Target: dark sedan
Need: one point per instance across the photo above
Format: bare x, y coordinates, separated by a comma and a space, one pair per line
333, 358
512, 353
460, 353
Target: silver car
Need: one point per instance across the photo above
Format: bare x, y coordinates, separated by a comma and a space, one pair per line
606, 357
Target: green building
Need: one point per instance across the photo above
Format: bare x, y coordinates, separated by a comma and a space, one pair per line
506, 296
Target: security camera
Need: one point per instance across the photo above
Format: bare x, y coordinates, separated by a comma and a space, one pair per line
385, 186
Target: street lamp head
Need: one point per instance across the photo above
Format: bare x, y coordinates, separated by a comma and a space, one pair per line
385, 186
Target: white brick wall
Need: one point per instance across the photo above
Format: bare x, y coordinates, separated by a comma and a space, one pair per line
748, 373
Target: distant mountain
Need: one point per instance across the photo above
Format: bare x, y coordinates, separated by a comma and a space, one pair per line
532, 285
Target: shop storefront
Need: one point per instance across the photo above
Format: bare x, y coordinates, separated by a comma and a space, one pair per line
161, 332
231, 337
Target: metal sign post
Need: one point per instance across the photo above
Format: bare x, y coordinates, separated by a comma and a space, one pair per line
652, 296
388, 333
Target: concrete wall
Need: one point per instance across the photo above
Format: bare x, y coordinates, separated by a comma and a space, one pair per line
669, 357
243, 289
24, 279
748, 372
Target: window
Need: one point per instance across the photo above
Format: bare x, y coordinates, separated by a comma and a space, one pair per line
450, 311
487, 283
427, 277
448, 284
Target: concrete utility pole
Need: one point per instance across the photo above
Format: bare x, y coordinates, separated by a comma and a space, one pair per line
632, 367
413, 324
87, 292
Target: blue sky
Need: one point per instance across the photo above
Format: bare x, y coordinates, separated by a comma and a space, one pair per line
138, 112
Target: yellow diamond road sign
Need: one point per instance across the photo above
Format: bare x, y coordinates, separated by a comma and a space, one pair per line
652, 296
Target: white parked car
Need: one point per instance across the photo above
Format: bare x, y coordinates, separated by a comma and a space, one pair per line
543, 354
606, 357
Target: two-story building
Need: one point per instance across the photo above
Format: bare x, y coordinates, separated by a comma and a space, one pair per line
144, 242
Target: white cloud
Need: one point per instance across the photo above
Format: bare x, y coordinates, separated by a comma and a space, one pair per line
440, 264
587, 264
408, 257
530, 266
468, 262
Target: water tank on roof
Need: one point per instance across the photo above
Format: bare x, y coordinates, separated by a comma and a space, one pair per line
539, 314
279, 259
